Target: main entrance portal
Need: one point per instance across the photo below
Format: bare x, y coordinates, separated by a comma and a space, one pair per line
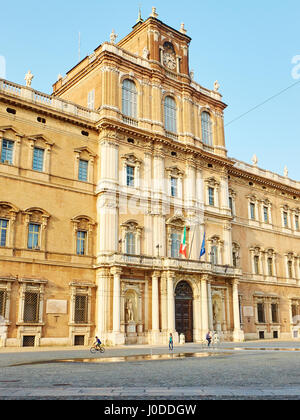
184, 310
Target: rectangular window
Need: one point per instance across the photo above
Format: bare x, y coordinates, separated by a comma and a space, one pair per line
130, 176
256, 264
81, 243
214, 255
297, 223
34, 236
290, 269
175, 245
270, 266
3, 231
174, 187
261, 312
231, 204
285, 219
252, 211
130, 243
2, 303
7, 151
266, 214
234, 258
83, 170
81, 309
274, 310
211, 196
31, 307
38, 159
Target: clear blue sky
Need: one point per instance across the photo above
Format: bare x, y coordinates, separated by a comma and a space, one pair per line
247, 46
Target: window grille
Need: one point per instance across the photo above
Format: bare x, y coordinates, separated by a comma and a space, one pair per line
81, 309
2, 303
28, 340
31, 307
79, 340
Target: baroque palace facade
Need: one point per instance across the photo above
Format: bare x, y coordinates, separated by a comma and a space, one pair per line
98, 184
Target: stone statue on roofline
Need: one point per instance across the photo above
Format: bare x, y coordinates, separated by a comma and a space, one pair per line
28, 78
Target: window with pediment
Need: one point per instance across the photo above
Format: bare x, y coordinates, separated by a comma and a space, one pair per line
84, 165
131, 166
40, 153
8, 214
36, 222
10, 146
131, 234
175, 229
83, 228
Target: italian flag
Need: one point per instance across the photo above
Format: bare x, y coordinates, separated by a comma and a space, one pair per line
183, 244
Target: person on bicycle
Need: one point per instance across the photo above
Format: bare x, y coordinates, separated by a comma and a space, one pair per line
208, 338
97, 342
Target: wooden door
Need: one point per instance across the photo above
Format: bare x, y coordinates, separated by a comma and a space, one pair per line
184, 311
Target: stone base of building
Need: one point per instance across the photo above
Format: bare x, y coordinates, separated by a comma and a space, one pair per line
238, 336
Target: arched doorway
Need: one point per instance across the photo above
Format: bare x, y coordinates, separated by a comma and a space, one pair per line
184, 310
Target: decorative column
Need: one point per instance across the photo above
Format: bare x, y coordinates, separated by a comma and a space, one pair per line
101, 304
204, 306
155, 308
227, 244
171, 302
210, 311
155, 303
117, 337
238, 334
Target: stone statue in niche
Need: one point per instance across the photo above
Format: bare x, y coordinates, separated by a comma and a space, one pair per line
215, 311
130, 312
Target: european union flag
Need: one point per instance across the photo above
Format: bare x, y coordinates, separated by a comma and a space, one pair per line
203, 247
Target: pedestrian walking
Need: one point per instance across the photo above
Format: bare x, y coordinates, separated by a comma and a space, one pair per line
171, 342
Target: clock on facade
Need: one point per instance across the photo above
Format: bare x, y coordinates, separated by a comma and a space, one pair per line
169, 61
169, 56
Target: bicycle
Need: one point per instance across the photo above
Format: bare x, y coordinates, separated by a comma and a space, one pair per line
94, 349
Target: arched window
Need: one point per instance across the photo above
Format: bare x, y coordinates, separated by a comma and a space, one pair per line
170, 114
206, 128
129, 99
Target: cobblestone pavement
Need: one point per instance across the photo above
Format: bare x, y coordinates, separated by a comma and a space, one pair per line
252, 370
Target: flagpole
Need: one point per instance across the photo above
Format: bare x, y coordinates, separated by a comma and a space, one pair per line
192, 241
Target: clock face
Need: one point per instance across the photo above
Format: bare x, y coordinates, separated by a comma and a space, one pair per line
169, 61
